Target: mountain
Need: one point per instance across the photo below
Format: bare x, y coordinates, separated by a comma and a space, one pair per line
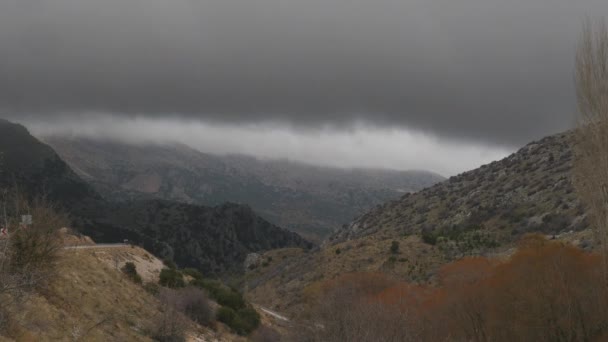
36, 168
313, 201
529, 191
213, 239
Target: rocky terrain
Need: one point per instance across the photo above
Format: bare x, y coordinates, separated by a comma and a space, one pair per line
480, 212
313, 201
529, 191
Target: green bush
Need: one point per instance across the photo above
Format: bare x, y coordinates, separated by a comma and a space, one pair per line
131, 271
395, 247
429, 238
220, 293
193, 272
246, 321
225, 315
230, 298
243, 321
170, 264
171, 278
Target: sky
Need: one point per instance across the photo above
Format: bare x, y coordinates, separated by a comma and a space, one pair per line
444, 85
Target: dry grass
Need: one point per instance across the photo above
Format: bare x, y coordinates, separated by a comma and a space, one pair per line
92, 300
284, 283
88, 301
148, 266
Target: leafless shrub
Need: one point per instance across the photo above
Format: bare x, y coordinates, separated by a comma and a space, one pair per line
346, 313
168, 326
194, 303
28, 253
178, 305
591, 140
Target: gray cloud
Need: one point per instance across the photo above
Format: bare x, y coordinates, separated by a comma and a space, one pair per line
493, 71
361, 146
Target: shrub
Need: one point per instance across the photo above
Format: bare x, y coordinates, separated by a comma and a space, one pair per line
395, 247
171, 278
152, 288
29, 255
220, 293
242, 321
131, 271
193, 302
246, 321
170, 264
225, 315
168, 326
192, 272
338, 251
429, 237
230, 298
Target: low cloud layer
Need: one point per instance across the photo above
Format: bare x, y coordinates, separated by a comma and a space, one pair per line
359, 147
486, 71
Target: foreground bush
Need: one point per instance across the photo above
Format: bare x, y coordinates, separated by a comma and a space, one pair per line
171, 278
28, 253
130, 270
242, 321
222, 294
547, 291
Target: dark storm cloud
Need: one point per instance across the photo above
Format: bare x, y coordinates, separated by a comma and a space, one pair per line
488, 70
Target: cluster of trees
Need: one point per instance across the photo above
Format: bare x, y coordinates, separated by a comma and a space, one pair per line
547, 291
187, 292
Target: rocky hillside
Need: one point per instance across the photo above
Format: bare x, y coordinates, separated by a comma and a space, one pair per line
529, 191
480, 212
89, 298
313, 201
215, 240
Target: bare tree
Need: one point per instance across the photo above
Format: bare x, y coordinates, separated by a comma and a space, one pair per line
591, 138
27, 252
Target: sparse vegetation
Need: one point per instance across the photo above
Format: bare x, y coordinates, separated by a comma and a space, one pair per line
395, 247
547, 291
131, 271
28, 252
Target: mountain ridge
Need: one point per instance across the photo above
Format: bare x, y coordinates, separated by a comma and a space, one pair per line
311, 200
36, 170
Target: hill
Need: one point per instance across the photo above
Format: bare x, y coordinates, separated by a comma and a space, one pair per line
216, 240
529, 191
480, 212
89, 298
313, 201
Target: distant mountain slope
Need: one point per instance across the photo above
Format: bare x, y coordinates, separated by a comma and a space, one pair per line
529, 191
212, 239
215, 240
35, 167
311, 200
